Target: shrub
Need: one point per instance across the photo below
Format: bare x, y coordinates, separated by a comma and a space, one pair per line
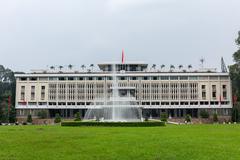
42, 114
204, 114
114, 124
57, 118
235, 115
215, 117
77, 117
188, 118
146, 119
29, 118
164, 117
12, 115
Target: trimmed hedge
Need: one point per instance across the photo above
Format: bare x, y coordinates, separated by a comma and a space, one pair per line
114, 124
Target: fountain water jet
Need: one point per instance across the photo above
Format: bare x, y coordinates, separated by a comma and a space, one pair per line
120, 106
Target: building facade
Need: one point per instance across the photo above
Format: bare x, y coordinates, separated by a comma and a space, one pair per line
156, 92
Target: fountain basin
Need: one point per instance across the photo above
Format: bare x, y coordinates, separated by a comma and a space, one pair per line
113, 124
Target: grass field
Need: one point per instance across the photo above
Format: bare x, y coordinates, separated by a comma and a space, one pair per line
185, 142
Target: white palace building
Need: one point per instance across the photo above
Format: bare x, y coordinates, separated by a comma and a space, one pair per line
175, 92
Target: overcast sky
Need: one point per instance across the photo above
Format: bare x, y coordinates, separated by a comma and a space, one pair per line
39, 33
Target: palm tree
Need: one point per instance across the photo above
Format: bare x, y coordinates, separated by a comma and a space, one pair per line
154, 66
70, 66
162, 66
180, 67
92, 65
189, 66
60, 67
172, 67
52, 67
83, 67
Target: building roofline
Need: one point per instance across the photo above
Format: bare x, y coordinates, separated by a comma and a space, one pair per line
127, 63
123, 74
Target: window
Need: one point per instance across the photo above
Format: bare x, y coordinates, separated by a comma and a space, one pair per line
224, 77
23, 79
90, 78
193, 78
42, 92
203, 78
100, 78
214, 87
203, 87
80, 78
214, 96
122, 78
204, 103
154, 78
32, 92
173, 77
224, 94
53, 78
22, 93
145, 78
213, 78
133, 68
183, 77
33, 78
214, 102
43, 79
110, 78
61, 78
32, 103
134, 78
70, 78
224, 86
203, 95
164, 78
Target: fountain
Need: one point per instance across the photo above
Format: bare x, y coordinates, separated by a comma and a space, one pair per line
120, 106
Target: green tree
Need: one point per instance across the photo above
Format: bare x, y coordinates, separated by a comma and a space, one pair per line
57, 118
77, 117
235, 69
235, 115
12, 115
188, 118
42, 114
204, 114
2, 116
164, 117
215, 117
29, 118
7, 89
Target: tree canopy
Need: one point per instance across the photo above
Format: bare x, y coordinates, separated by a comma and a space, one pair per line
235, 69
7, 88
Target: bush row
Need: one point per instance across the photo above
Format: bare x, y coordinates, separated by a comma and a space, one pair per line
114, 124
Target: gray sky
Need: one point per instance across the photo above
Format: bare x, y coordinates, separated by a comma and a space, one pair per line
37, 33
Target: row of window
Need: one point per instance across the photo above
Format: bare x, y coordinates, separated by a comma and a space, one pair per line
154, 91
22, 93
143, 103
214, 92
174, 90
126, 78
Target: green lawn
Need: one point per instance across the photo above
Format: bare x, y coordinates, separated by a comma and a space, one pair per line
185, 142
